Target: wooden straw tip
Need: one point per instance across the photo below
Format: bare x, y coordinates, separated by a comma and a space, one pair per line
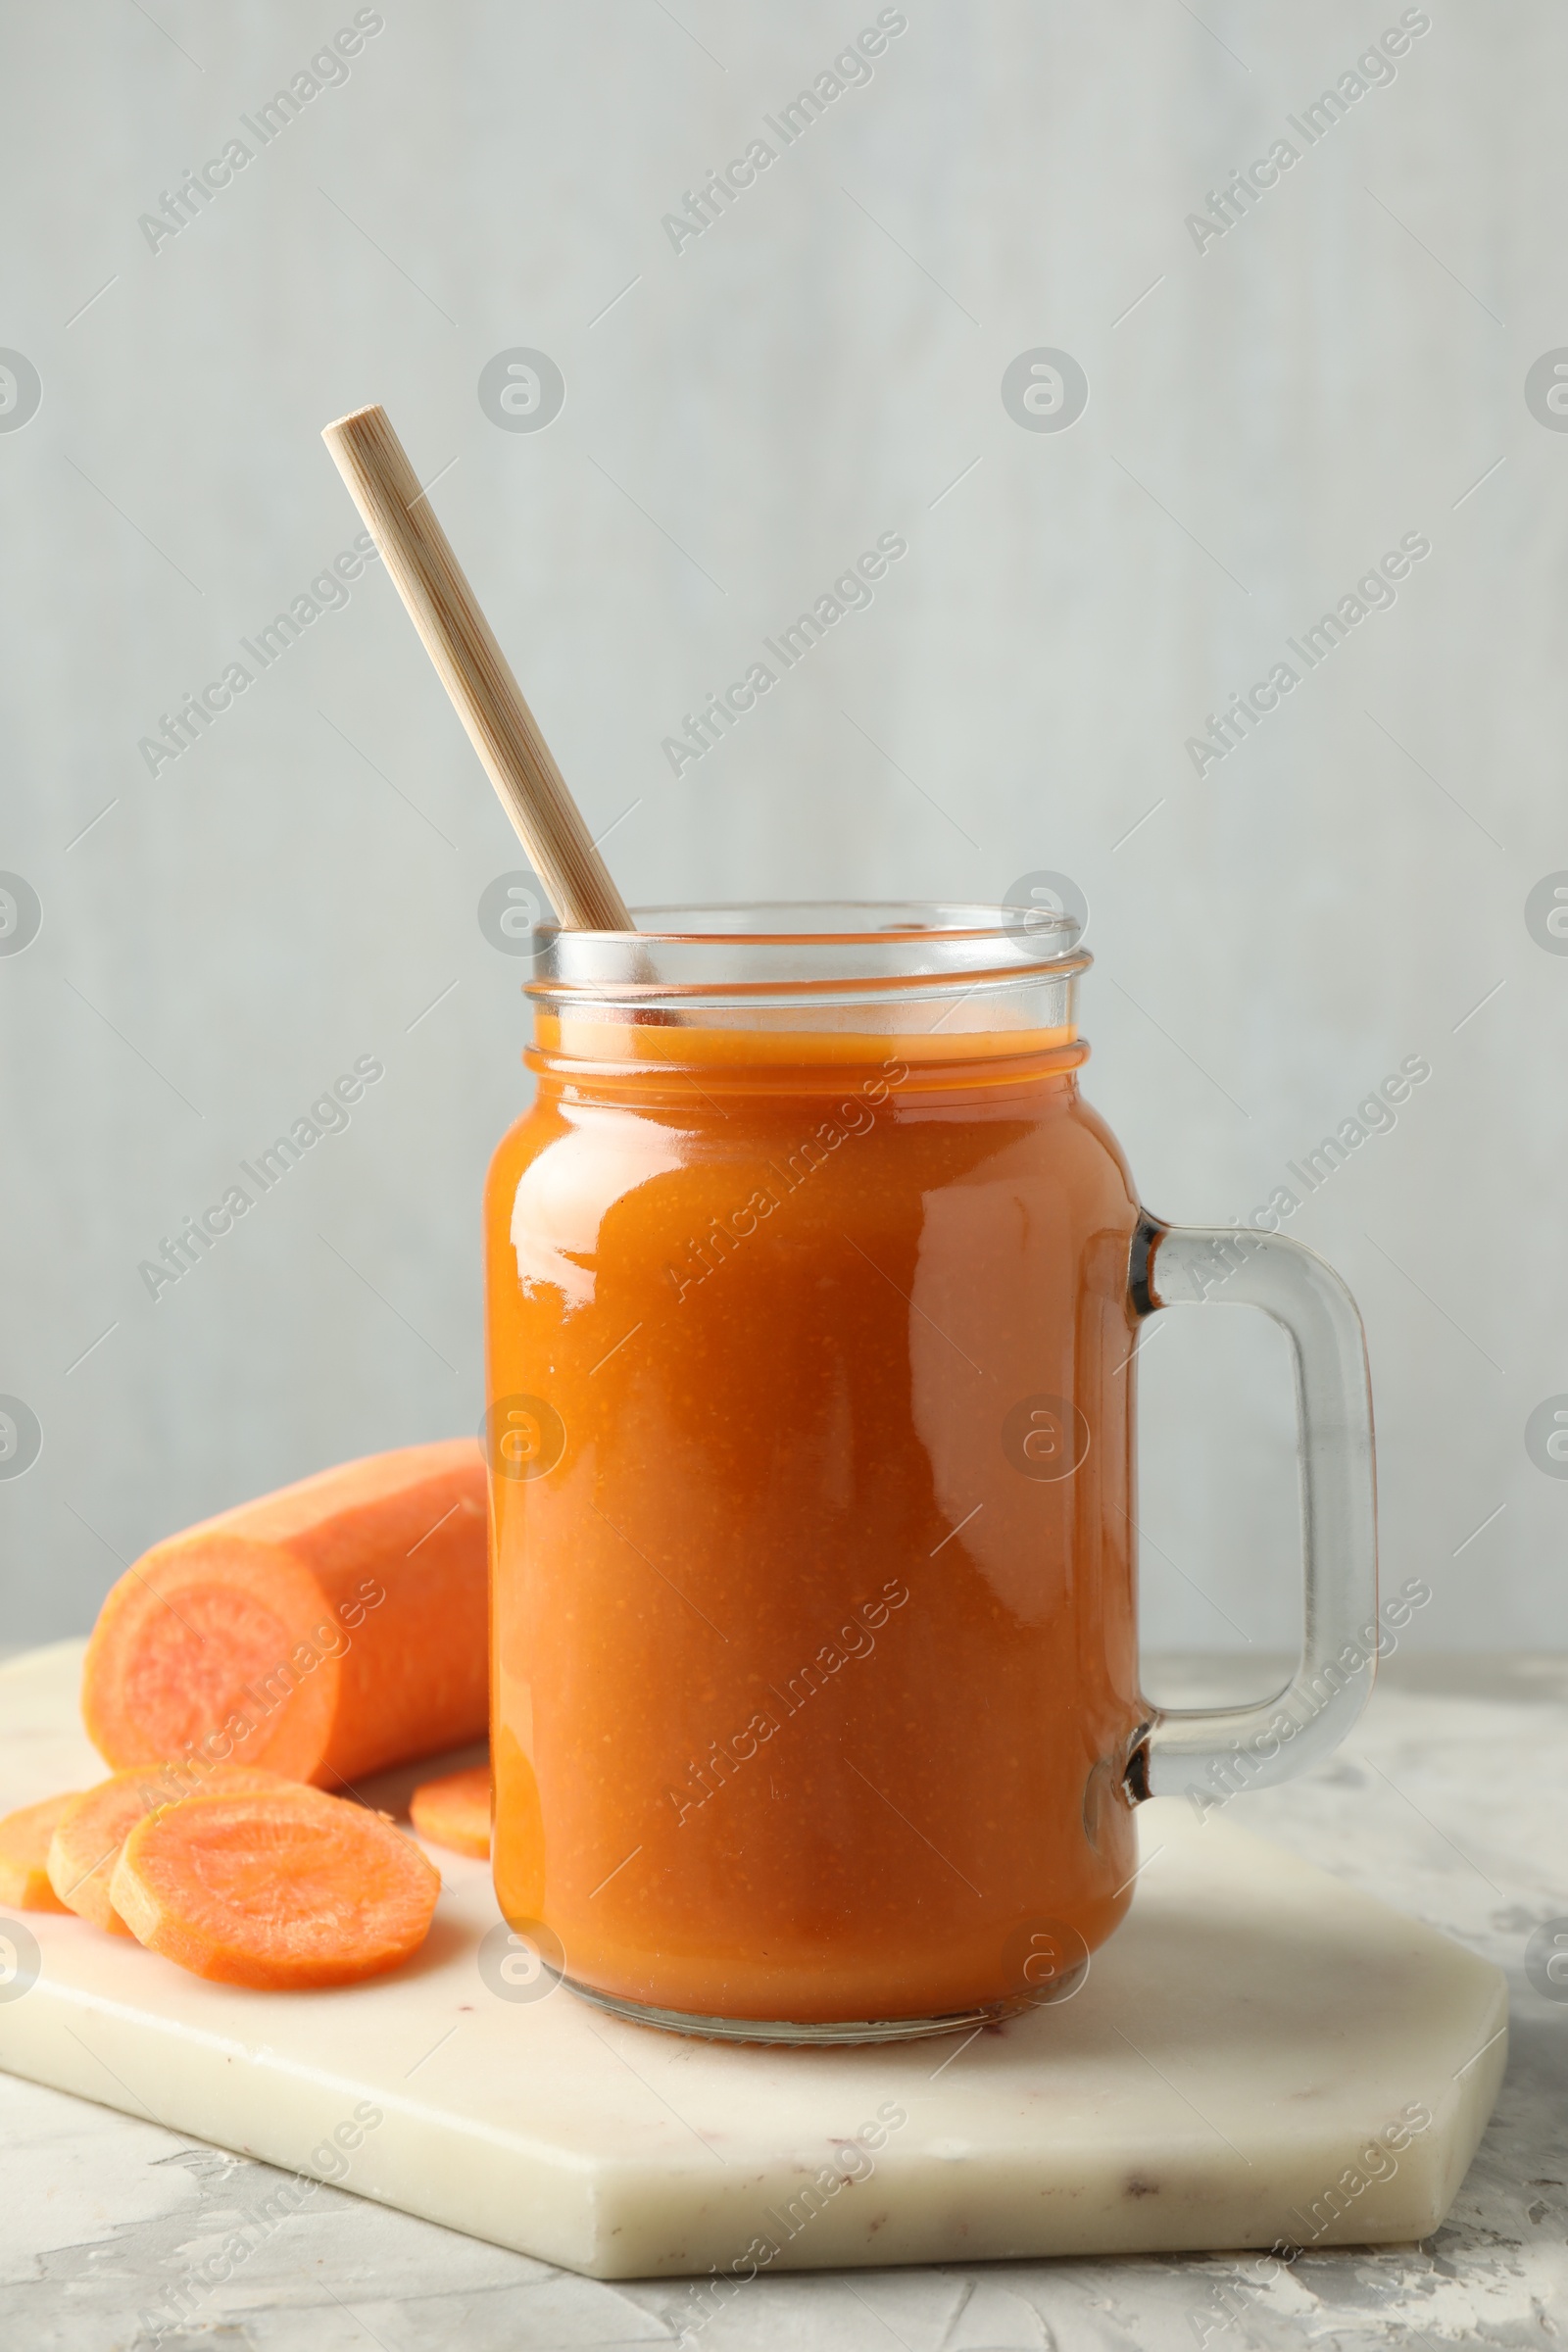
342, 425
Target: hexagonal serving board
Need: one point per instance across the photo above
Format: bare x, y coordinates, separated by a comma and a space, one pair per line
1247, 2061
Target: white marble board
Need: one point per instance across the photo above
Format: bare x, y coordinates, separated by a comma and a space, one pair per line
1237, 2050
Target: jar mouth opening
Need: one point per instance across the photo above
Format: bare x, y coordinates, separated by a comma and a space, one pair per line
843, 950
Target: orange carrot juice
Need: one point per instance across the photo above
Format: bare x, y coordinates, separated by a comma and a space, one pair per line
813, 1649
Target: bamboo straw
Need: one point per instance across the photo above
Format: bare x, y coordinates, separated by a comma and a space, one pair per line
474, 672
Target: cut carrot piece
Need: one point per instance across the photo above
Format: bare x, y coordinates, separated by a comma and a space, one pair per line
322, 1632
25, 1855
93, 1827
455, 1811
283, 1891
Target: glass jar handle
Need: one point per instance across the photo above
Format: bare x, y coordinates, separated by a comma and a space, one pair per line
1212, 1753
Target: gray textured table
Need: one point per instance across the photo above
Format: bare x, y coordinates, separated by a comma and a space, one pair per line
1450, 1801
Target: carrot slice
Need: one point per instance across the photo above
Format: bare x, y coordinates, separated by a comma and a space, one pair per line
93, 1827
280, 1891
455, 1811
25, 1855
324, 1632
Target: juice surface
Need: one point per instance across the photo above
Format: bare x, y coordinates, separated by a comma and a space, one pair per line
813, 1572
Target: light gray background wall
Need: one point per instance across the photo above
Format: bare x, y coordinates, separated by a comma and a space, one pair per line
1266, 417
